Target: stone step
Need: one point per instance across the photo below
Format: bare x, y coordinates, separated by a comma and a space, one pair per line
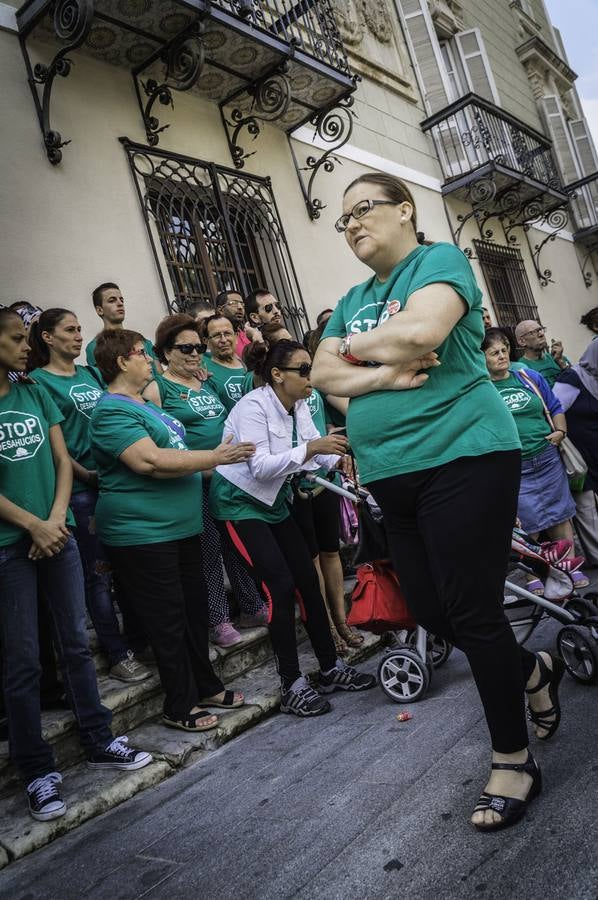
89, 793
132, 704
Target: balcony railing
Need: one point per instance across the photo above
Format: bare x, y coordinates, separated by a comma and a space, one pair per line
309, 24
584, 204
473, 133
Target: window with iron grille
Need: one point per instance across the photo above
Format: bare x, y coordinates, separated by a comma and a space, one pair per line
508, 284
213, 229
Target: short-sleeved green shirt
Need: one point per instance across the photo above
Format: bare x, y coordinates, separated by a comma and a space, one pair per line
457, 412
75, 396
228, 382
229, 503
201, 412
528, 412
139, 509
546, 366
248, 384
27, 472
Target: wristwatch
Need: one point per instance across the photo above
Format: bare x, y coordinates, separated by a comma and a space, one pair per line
344, 351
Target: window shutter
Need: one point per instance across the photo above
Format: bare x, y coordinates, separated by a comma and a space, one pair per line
561, 141
474, 60
425, 53
586, 153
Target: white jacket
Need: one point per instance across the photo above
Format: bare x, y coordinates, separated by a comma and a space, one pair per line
260, 417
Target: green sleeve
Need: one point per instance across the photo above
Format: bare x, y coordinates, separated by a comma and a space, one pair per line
51, 411
445, 263
336, 325
90, 354
114, 428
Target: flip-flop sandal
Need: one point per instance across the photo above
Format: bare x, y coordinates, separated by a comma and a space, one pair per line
192, 723
535, 586
227, 702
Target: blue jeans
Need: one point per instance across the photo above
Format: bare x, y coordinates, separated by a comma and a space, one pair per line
60, 581
97, 586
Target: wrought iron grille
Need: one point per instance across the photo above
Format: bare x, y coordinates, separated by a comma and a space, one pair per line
508, 284
471, 132
308, 24
213, 229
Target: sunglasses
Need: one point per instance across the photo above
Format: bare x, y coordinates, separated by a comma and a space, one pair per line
270, 306
304, 369
188, 349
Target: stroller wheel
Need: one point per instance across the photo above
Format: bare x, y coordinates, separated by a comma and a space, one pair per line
584, 608
578, 650
439, 648
403, 676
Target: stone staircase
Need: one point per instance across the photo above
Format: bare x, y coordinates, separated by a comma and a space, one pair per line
136, 709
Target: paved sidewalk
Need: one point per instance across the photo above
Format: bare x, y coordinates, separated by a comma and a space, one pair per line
352, 805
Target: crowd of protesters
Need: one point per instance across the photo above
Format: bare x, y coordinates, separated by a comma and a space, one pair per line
142, 480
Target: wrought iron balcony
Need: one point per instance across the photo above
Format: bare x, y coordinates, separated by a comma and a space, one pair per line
276, 61
493, 161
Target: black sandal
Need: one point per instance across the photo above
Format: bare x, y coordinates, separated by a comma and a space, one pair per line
192, 723
552, 677
510, 809
227, 702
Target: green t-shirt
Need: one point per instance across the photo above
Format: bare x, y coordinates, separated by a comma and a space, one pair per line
75, 396
201, 412
456, 412
248, 384
528, 412
229, 503
546, 366
227, 382
90, 356
132, 508
27, 473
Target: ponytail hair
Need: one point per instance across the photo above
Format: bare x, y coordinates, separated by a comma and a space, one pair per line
40, 352
276, 357
395, 190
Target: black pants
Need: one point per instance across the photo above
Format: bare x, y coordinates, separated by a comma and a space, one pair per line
165, 586
319, 520
449, 533
281, 565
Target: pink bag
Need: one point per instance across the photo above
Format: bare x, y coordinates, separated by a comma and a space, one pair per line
349, 530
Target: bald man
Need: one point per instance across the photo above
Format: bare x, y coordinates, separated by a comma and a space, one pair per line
531, 336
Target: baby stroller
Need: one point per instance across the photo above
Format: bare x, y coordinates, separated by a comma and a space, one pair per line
406, 669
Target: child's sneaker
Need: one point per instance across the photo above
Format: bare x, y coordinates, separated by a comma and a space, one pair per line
118, 756
45, 802
301, 700
555, 551
345, 678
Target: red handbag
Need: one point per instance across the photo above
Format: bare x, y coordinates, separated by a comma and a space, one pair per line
377, 602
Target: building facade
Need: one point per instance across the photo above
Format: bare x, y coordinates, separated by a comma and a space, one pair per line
183, 147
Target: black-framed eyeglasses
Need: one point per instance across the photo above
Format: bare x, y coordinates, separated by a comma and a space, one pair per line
270, 306
188, 349
359, 210
535, 332
304, 369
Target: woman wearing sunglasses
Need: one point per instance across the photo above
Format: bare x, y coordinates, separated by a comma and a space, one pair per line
251, 499
195, 403
149, 518
442, 462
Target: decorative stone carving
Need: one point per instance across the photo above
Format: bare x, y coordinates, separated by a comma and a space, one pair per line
350, 20
447, 16
537, 79
377, 18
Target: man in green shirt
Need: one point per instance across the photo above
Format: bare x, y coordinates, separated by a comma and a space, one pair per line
532, 337
226, 369
109, 305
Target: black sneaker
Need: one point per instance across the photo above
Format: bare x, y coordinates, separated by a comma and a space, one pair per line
345, 678
301, 700
118, 756
45, 802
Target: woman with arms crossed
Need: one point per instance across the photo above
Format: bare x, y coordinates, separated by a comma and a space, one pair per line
442, 463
